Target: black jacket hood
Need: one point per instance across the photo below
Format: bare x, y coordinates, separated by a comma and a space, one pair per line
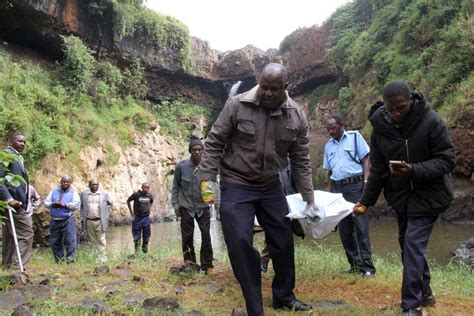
383, 122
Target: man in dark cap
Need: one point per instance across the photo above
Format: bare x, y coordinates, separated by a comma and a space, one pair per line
189, 205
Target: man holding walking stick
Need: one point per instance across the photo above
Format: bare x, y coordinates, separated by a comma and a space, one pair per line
18, 223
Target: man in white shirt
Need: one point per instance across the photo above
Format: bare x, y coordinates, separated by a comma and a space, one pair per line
95, 207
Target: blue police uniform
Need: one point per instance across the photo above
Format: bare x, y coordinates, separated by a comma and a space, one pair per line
342, 157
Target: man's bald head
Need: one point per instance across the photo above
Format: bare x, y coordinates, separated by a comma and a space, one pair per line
275, 70
66, 182
93, 185
272, 86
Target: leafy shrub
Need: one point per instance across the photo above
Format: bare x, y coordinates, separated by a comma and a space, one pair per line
458, 108
133, 82
177, 118
35, 101
77, 67
345, 97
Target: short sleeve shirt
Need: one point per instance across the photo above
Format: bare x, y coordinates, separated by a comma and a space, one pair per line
141, 203
337, 155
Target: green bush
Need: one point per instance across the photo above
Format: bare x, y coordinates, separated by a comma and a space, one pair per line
458, 108
133, 82
427, 43
345, 97
77, 67
176, 117
35, 101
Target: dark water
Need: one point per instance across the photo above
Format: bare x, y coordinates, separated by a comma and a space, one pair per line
383, 235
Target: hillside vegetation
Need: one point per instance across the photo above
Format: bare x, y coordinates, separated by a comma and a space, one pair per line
81, 101
428, 43
131, 19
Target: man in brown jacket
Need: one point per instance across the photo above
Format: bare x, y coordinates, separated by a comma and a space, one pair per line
248, 144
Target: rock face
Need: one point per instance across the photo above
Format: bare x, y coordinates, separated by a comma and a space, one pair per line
40, 24
465, 252
151, 160
303, 53
11, 299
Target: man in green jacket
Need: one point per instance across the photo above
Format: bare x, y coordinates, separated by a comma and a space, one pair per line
188, 204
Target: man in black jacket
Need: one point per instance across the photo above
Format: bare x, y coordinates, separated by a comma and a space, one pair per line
411, 158
17, 198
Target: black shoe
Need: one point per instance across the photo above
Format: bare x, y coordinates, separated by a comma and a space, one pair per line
428, 300
352, 270
295, 305
412, 312
368, 274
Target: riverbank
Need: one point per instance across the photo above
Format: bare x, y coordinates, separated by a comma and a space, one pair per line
123, 283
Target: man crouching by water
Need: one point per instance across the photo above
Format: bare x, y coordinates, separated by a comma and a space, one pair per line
249, 143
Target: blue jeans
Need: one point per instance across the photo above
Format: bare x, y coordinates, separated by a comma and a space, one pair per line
63, 234
239, 205
141, 229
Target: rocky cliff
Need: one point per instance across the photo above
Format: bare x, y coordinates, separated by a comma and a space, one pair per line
39, 24
151, 159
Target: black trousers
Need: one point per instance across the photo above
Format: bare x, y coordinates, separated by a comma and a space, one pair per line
239, 205
413, 236
187, 234
354, 230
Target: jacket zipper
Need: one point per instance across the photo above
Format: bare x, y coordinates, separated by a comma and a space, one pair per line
268, 117
408, 161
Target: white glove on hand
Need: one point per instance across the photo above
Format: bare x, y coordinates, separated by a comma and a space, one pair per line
312, 213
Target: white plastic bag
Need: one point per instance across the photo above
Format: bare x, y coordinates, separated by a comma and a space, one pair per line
332, 205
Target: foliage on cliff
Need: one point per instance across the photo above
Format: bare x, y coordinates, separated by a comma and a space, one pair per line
79, 102
427, 43
131, 19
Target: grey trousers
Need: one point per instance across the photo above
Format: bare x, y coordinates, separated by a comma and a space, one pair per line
24, 234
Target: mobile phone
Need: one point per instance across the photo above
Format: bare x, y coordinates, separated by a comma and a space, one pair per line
396, 162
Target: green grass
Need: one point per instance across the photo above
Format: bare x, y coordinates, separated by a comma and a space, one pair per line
318, 279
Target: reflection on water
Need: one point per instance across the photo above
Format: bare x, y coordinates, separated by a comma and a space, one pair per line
383, 235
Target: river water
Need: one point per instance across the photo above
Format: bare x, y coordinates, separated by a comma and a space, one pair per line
383, 235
